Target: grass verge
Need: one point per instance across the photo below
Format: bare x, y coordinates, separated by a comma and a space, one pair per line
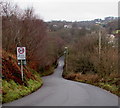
12, 91
49, 71
110, 83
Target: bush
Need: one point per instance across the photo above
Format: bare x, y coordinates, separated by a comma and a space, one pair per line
84, 63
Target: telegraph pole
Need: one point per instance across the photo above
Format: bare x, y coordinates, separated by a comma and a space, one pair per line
66, 53
100, 44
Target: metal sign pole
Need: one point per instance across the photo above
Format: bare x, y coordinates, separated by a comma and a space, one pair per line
22, 70
21, 56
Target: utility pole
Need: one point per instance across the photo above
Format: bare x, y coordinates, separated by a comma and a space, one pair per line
66, 54
100, 44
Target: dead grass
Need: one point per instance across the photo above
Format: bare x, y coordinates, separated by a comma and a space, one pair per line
110, 83
83, 77
12, 82
11, 70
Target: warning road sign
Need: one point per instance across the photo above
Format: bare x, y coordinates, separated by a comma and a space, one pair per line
21, 53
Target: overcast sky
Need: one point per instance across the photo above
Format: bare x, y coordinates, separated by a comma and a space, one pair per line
71, 10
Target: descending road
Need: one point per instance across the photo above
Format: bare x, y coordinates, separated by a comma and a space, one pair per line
57, 91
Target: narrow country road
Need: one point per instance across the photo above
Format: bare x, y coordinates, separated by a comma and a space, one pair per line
57, 91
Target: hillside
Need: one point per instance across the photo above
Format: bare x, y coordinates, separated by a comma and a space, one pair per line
13, 86
42, 51
90, 49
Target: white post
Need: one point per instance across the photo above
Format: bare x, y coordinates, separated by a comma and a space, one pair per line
22, 70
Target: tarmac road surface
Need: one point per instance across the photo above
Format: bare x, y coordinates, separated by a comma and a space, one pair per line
57, 91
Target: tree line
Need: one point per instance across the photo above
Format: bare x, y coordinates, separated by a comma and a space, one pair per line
25, 29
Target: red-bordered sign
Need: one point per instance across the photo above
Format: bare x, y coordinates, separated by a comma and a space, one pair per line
21, 53
21, 50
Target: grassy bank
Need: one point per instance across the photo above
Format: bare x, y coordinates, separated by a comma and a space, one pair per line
13, 91
49, 71
12, 85
110, 83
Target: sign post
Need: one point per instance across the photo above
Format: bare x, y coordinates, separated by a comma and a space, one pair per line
21, 56
22, 70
